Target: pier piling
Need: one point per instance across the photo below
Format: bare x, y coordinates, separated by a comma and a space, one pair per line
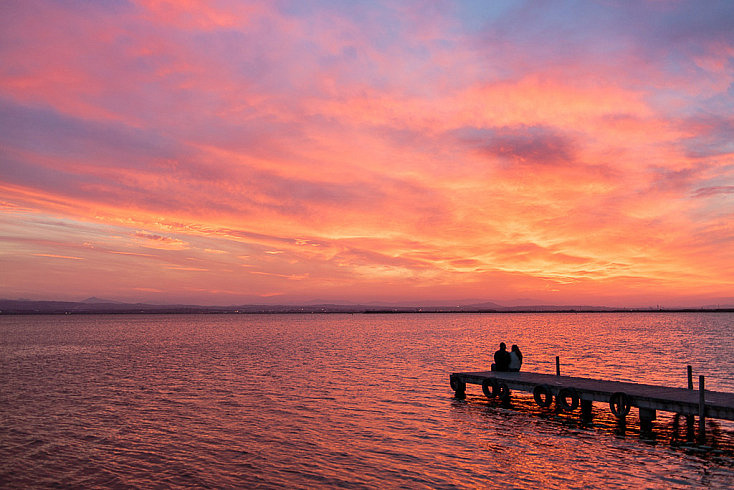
701, 410
647, 415
586, 410
689, 418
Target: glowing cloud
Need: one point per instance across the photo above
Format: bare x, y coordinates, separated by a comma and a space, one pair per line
230, 151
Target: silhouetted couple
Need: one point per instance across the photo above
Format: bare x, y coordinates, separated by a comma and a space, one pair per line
507, 361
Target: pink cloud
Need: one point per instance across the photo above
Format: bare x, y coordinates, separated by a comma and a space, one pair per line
712, 191
55, 256
160, 242
374, 147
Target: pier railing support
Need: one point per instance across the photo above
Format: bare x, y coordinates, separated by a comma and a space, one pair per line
558, 366
701, 410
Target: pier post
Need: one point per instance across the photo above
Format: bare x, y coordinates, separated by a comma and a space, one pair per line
459, 386
689, 418
586, 410
701, 410
647, 415
558, 366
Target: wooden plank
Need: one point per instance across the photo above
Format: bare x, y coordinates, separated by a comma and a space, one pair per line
649, 397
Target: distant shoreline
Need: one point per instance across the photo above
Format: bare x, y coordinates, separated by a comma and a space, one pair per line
24, 307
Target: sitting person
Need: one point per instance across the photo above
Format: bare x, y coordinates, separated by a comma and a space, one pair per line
501, 359
515, 359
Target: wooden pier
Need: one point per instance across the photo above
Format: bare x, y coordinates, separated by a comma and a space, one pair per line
571, 392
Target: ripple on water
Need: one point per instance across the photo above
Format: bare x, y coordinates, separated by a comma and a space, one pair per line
342, 401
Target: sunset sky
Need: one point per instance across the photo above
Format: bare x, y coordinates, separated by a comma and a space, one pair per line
229, 152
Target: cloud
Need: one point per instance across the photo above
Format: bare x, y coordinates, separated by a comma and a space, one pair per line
55, 256
291, 277
149, 240
713, 191
534, 145
713, 136
46, 131
382, 149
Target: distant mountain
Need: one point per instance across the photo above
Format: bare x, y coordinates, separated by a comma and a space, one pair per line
719, 306
462, 303
96, 300
327, 302
102, 306
29, 307
488, 305
549, 308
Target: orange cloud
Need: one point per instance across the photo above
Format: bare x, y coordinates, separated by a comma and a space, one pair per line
165, 141
55, 256
160, 242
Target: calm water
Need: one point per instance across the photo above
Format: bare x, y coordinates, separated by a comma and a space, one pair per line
356, 401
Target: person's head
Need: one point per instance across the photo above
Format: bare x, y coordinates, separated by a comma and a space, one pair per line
503, 346
515, 347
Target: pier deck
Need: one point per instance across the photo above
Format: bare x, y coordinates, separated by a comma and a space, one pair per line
647, 398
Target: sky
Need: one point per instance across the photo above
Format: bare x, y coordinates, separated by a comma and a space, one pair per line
232, 152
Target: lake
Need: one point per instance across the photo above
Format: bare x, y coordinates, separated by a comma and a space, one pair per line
350, 401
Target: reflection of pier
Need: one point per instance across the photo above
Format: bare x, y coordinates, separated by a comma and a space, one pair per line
571, 392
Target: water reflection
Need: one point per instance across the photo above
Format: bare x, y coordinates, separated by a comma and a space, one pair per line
676, 430
302, 401
631, 459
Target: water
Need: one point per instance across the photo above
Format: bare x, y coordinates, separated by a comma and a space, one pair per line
355, 401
